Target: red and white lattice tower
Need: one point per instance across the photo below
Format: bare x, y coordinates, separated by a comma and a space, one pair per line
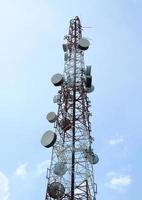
71, 174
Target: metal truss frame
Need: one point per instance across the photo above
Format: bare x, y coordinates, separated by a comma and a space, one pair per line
73, 101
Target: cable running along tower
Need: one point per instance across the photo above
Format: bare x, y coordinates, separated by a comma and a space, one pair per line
71, 175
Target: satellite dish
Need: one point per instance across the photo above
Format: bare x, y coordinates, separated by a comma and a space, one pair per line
60, 168
83, 44
51, 117
56, 99
89, 90
56, 190
57, 79
48, 139
93, 158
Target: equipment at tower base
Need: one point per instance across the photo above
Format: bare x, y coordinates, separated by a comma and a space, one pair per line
71, 173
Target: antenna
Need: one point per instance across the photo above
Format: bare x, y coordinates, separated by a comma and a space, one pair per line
71, 173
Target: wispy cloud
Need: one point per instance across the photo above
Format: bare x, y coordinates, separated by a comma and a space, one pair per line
42, 167
116, 140
118, 181
24, 170
4, 187
21, 170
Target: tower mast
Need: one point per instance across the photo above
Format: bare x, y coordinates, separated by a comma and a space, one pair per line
71, 173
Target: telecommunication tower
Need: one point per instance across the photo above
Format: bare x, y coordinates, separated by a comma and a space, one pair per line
71, 173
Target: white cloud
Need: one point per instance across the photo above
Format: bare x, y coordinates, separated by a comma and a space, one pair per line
4, 187
116, 140
42, 167
117, 181
21, 170
121, 181
39, 170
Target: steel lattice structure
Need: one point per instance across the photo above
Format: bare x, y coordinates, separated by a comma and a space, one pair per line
73, 126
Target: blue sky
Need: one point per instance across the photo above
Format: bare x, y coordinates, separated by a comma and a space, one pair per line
31, 37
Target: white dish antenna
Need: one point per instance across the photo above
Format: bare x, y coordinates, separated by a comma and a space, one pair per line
60, 169
57, 79
48, 139
83, 44
51, 117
